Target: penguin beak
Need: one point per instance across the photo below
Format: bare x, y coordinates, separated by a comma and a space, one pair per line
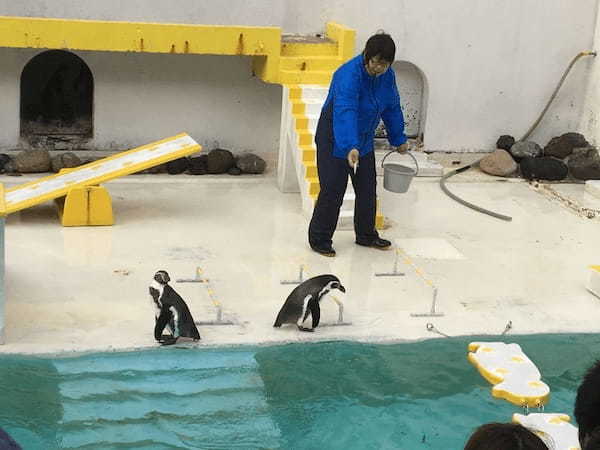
342, 288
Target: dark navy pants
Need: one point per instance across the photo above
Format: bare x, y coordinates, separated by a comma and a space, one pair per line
333, 178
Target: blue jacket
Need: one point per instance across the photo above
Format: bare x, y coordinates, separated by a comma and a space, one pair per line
359, 101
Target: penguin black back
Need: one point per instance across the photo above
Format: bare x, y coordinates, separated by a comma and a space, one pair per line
305, 298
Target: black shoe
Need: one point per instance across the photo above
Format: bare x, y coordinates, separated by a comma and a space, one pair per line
378, 243
324, 249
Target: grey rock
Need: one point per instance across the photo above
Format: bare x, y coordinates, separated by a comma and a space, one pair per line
544, 168
10, 166
505, 142
33, 161
4, 158
65, 160
234, 171
177, 166
562, 146
219, 161
161, 168
524, 149
198, 165
498, 163
584, 163
251, 163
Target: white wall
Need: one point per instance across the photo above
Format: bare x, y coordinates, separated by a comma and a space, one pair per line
590, 119
209, 12
490, 65
139, 98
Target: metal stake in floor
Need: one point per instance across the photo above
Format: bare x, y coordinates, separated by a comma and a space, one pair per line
432, 312
216, 303
395, 272
300, 277
340, 321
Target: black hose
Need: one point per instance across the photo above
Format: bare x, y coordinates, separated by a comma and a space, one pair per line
533, 127
464, 202
553, 96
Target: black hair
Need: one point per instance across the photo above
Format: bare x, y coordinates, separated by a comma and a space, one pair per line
502, 436
382, 45
587, 403
592, 441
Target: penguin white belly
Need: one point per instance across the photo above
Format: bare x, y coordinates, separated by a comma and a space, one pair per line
301, 321
176, 332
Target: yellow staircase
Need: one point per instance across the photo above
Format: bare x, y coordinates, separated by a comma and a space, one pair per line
306, 68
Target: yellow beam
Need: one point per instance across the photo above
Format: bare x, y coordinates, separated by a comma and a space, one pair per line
2, 201
91, 174
345, 38
34, 32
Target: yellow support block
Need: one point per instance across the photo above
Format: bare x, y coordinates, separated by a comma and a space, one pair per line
2, 201
345, 38
85, 206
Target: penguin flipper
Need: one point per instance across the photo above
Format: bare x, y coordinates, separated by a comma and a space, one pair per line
315, 313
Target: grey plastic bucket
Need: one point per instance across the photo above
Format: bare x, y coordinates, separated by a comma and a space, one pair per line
396, 177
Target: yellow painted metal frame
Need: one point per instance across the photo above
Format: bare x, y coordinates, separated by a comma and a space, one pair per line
2, 201
262, 43
133, 168
345, 38
96, 35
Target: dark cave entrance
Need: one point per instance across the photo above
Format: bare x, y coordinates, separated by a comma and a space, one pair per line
57, 93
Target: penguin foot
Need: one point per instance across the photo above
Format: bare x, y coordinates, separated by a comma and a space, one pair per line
167, 340
310, 330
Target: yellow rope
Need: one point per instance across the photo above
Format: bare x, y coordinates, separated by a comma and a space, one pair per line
419, 272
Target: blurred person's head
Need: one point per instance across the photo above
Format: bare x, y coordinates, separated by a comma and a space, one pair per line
504, 436
587, 408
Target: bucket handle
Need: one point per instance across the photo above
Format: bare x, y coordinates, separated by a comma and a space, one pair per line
406, 153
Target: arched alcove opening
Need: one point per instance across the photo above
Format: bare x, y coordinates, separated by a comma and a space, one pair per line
412, 87
57, 92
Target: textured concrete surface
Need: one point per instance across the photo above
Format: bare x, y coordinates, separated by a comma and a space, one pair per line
85, 289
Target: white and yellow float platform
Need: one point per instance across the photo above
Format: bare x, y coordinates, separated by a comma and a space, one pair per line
514, 376
554, 428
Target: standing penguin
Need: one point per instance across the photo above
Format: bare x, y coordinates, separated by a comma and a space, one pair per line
304, 301
172, 312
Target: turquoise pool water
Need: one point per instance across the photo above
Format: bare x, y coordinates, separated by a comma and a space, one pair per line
333, 395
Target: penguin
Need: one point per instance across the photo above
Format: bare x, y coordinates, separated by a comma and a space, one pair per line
171, 312
304, 301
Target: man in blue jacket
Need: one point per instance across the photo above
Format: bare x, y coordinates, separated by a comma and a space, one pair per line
362, 91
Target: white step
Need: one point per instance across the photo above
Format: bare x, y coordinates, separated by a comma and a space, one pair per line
593, 187
313, 107
315, 92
